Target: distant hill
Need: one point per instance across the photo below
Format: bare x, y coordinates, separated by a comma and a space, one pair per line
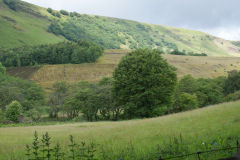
27, 24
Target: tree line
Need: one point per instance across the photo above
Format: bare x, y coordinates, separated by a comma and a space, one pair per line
143, 85
60, 53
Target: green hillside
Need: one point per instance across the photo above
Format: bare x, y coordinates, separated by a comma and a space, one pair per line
26, 26
29, 25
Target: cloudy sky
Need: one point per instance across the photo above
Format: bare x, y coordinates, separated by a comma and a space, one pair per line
218, 17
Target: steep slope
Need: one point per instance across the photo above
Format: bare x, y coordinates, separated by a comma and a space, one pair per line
30, 24
25, 26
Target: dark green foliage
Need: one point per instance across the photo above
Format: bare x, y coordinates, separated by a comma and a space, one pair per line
232, 83
61, 53
64, 12
13, 111
50, 10
183, 53
144, 84
2, 69
95, 101
233, 96
55, 28
27, 93
2, 116
187, 101
57, 14
192, 93
12, 4
210, 91
57, 97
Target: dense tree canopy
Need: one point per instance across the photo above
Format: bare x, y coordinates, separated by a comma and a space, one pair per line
61, 53
27, 93
144, 84
232, 84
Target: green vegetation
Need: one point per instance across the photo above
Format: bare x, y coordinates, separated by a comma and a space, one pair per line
60, 53
19, 28
135, 137
144, 84
27, 25
13, 111
17, 96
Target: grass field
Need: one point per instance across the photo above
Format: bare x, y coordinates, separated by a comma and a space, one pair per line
198, 67
196, 126
18, 28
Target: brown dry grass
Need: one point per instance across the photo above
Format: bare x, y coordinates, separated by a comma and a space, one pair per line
198, 67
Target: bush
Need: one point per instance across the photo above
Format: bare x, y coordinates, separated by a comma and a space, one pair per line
50, 10
63, 12
232, 97
143, 83
232, 83
2, 69
187, 101
2, 116
13, 111
12, 4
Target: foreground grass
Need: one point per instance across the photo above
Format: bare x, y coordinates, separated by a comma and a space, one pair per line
202, 125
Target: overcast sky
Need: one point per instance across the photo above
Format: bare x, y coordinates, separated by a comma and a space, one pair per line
218, 17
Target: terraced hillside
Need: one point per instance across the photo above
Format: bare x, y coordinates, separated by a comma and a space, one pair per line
29, 25
199, 67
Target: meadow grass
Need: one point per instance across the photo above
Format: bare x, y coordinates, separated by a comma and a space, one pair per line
198, 67
197, 126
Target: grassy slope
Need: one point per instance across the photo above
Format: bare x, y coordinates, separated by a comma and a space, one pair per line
199, 67
19, 28
195, 126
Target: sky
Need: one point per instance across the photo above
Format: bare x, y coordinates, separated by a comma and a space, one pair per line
217, 17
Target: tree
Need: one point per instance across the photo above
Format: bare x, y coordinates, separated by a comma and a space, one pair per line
144, 84
13, 111
232, 83
2, 69
185, 87
56, 100
187, 101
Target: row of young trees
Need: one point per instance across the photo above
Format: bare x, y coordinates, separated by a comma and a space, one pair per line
61, 53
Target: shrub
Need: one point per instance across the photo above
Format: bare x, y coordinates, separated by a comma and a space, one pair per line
2, 69
12, 4
50, 10
13, 111
143, 82
2, 116
187, 101
64, 12
232, 83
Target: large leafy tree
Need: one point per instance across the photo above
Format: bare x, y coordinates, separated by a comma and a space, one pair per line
144, 84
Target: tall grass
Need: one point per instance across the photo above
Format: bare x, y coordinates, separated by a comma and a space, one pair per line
116, 138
